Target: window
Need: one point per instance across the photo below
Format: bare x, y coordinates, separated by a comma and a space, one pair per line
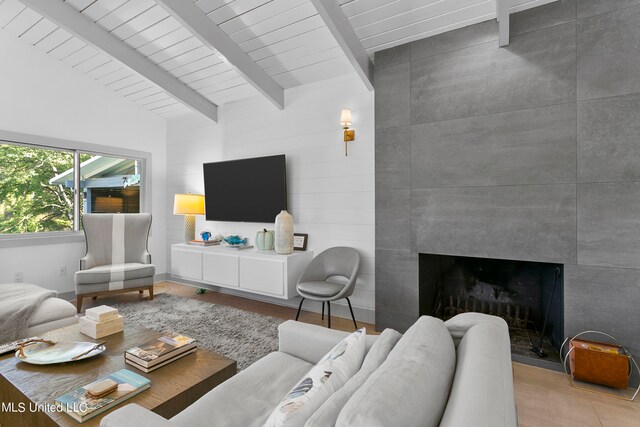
38, 185
29, 203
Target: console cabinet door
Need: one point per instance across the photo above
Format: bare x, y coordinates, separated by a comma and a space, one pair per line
262, 276
186, 263
220, 269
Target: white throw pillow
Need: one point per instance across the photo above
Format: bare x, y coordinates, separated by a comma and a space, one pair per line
324, 379
327, 414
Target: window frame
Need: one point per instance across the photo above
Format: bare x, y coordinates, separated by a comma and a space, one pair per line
76, 148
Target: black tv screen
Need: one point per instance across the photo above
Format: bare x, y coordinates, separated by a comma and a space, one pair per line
247, 190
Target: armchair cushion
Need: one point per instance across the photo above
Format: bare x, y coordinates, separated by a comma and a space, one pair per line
114, 272
320, 288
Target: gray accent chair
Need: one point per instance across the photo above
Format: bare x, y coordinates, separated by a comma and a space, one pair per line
324, 279
117, 259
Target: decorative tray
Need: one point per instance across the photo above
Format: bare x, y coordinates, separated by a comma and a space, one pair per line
44, 352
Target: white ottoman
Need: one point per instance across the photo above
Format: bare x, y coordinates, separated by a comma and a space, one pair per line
53, 313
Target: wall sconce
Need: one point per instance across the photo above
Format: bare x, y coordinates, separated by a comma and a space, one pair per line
349, 134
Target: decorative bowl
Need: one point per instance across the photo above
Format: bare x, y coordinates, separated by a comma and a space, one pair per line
49, 352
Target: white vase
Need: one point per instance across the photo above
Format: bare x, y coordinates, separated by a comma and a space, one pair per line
284, 233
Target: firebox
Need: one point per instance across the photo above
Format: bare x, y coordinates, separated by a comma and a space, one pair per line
523, 293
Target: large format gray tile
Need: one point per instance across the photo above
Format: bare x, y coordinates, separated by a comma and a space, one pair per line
535, 146
608, 59
393, 157
588, 8
392, 98
394, 56
393, 219
603, 299
536, 69
397, 282
609, 224
472, 35
398, 321
540, 17
609, 139
532, 223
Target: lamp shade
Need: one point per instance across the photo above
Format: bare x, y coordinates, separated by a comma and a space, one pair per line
188, 204
345, 117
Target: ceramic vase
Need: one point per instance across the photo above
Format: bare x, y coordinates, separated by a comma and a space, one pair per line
284, 233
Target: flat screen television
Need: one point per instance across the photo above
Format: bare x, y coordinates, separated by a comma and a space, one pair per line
246, 190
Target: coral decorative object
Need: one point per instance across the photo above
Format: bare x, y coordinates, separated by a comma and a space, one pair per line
265, 240
284, 233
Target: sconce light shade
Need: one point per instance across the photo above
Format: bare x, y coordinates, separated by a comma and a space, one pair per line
188, 204
345, 118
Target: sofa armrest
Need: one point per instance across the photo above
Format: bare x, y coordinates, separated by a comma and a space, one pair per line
311, 342
459, 325
134, 415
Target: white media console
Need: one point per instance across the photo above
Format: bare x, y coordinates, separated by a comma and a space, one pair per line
251, 270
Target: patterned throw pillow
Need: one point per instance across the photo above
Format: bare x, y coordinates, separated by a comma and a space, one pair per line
325, 378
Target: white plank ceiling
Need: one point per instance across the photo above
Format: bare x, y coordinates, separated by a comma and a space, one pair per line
286, 38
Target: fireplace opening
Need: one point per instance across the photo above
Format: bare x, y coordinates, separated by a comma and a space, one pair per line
520, 292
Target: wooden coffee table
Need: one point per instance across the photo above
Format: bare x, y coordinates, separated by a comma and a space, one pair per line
173, 387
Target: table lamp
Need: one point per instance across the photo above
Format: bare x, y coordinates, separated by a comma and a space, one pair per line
189, 205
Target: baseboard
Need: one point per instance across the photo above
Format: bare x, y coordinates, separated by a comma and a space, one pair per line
338, 308
162, 277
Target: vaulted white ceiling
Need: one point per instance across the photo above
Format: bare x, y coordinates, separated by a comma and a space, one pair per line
287, 39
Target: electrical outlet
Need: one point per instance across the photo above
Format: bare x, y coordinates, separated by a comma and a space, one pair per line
17, 277
62, 271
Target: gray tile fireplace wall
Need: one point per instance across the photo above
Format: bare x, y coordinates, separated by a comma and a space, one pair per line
528, 152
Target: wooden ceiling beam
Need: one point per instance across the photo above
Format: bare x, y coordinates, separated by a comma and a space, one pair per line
338, 23
76, 23
203, 27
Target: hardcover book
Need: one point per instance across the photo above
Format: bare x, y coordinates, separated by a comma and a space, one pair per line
158, 350
81, 406
146, 370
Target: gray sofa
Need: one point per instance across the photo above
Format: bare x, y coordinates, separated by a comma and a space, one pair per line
457, 378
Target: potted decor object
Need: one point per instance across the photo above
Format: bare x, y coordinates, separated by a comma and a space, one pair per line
265, 240
284, 233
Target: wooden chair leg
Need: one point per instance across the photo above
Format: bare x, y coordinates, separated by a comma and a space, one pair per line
299, 308
78, 303
150, 292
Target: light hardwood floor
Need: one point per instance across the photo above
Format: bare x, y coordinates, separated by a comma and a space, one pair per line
544, 398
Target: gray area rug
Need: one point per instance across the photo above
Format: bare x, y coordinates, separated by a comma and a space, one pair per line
240, 335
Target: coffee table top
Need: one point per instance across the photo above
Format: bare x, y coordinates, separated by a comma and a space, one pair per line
41, 384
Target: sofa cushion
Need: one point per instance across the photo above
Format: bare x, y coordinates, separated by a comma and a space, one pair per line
315, 387
109, 273
327, 414
50, 310
247, 398
482, 393
321, 288
412, 386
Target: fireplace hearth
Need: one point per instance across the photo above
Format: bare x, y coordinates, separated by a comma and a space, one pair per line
520, 292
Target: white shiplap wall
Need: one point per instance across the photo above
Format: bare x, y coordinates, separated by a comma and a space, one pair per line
331, 197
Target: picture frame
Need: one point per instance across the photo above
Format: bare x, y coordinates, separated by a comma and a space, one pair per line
300, 241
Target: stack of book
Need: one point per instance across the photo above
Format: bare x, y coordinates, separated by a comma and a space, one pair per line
92, 399
159, 352
101, 321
